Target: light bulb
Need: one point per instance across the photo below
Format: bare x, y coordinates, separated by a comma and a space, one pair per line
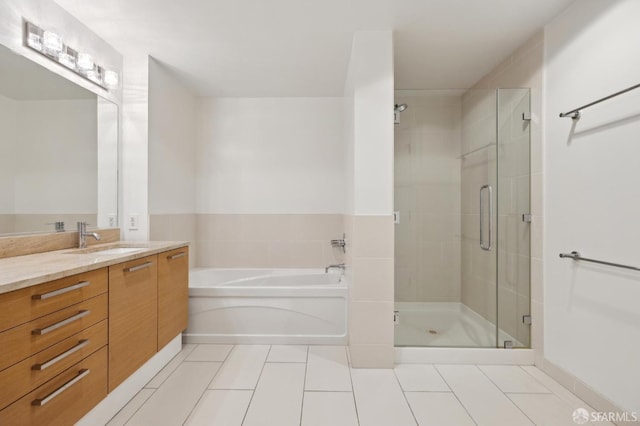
68, 58
95, 75
52, 43
85, 61
111, 79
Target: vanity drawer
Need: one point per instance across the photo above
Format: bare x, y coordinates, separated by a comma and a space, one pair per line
21, 306
25, 340
64, 399
20, 379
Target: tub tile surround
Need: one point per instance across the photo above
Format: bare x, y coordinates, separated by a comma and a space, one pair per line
370, 256
267, 240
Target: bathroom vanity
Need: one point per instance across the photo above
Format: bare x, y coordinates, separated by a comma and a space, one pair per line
76, 323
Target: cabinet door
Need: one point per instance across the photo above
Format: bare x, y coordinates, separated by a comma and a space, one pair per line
133, 316
173, 294
63, 400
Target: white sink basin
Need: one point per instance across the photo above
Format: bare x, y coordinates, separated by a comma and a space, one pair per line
117, 250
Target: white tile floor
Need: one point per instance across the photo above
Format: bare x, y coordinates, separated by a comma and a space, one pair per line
314, 386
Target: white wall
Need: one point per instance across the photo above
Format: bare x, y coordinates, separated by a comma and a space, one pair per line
172, 144
270, 155
370, 83
107, 143
134, 146
56, 157
592, 197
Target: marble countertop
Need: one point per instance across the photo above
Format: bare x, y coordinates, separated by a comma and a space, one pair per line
25, 271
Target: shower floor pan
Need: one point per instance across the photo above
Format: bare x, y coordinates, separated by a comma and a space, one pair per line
445, 324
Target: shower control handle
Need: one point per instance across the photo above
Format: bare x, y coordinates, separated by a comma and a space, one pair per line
489, 245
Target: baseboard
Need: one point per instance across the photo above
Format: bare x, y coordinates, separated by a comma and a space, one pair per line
483, 356
583, 391
120, 396
256, 339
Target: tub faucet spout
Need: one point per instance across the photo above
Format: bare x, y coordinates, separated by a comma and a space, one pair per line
338, 266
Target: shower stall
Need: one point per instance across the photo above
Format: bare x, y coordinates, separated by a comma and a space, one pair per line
462, 240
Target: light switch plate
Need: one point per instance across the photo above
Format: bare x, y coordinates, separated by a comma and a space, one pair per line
133, 221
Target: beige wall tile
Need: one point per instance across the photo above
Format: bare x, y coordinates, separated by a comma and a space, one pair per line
371, 323
371, 356
323, 227
240, 254
373, 236
269, 240
306, 254
373, 279
7, 223
175, 227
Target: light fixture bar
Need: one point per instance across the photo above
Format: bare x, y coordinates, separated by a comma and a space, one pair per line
51, 44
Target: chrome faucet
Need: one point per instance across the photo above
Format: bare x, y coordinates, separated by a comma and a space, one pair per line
83, 234
341, 266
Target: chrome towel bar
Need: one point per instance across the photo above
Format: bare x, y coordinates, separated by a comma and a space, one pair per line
575, 113
577, 256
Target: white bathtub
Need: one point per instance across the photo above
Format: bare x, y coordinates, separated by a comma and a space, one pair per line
267, 306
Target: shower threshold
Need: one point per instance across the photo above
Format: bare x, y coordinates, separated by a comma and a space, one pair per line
469, 338
445, 324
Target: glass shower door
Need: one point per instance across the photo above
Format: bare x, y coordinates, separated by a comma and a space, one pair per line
514, 238
462, 235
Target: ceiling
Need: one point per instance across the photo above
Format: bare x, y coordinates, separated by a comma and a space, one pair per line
25, 80
302, 47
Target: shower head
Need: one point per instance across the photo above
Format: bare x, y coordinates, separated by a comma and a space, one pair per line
400, 108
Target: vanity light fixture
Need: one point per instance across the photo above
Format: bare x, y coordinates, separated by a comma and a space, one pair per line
111, 79
68, 57
51, 44
85, 61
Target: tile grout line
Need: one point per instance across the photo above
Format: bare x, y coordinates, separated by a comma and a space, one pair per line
172, 371
256, 386
304, 384
404, 395
506, 396
569, 403
353, 389
454, 394
211, 381
135, 412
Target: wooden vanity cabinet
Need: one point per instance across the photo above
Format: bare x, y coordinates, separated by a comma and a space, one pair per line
53, 362
173, 294
133, 316
66, 343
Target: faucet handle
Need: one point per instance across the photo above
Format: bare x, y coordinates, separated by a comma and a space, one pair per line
59, 225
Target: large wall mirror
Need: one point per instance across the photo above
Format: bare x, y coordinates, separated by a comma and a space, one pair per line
58, 151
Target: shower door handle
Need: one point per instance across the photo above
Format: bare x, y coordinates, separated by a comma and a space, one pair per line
489, 244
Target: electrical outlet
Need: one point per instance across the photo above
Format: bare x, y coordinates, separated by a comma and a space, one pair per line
133, 221
113, 221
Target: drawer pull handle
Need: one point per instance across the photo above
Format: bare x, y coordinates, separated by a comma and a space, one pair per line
81, 344
137, 268
177, 255
76, 317
42, 401
60, 291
